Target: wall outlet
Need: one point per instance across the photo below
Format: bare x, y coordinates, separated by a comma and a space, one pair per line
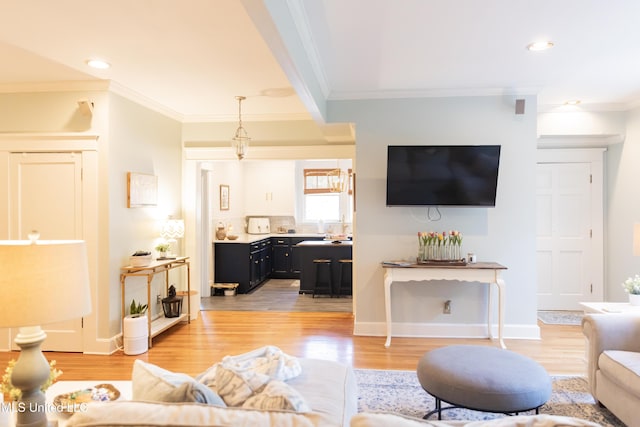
446, 309
159, 299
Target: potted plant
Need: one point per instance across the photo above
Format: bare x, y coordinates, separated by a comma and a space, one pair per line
632, 287
162, 249
135, 329
137, 310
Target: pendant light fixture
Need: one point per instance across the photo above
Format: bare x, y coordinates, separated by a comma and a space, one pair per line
240, 140
337, 180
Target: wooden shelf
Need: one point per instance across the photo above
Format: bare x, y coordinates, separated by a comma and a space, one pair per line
160, 324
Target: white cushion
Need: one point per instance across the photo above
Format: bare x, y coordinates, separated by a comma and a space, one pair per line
155, 384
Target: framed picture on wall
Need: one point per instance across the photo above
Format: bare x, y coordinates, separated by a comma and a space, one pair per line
224, 197
142, 190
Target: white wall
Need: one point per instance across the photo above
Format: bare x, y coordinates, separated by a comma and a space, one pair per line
623, 208
146, 142
504, 234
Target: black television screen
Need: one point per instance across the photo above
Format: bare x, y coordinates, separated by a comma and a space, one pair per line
442, 175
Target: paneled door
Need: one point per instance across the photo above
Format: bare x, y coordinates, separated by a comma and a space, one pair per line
569, 261
45, 195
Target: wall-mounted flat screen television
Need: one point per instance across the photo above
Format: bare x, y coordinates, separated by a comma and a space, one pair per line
442, 175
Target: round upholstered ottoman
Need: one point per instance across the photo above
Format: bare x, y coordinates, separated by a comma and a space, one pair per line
483, 378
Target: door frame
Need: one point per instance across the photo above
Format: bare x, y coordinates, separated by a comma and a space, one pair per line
594, 156
87, 146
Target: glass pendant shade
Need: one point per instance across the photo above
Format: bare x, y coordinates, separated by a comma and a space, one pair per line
241, 139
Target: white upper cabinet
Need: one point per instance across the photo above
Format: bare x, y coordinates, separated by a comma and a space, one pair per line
269, 188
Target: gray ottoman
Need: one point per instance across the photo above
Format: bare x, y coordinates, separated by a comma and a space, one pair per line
483, 378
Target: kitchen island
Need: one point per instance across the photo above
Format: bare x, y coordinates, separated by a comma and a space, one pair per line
323, 249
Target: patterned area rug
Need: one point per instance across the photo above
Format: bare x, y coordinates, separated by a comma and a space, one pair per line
560, 317
400, 392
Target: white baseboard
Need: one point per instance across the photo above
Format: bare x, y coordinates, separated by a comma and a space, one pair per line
445, 330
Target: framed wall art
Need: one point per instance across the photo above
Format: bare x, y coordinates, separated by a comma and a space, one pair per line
224, 197
142, 190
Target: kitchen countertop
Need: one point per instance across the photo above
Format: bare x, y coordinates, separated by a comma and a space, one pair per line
251, 238
328, 243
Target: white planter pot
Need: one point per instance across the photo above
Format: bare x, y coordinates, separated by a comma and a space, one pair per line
135, 335
634, 299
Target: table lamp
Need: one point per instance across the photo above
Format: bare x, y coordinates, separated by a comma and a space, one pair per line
172, 229
42, 282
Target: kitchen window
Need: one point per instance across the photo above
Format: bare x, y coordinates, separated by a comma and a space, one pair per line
323, 200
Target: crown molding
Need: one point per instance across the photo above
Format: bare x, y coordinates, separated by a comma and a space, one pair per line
55, 86
579, 141
428, 93
594, 108
225, 118
149, 103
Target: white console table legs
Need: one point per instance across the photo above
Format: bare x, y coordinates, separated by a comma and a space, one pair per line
486, 272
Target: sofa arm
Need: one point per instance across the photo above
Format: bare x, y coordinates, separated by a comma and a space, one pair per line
608, 332
612, 332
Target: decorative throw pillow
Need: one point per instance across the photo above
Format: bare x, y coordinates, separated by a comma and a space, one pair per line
154, 384
277, 395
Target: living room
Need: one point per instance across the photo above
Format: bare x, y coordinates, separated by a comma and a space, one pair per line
129, 135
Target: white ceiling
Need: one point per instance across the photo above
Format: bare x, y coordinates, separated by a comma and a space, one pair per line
190, 58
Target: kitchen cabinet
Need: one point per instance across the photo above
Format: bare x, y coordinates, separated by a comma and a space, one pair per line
269, 188
286, 256
248, 264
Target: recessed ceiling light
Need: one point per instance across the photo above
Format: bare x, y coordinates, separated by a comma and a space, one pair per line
572, 102
98, 63
543, 45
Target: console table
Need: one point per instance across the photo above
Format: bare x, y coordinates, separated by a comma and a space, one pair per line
158, 266
482, 272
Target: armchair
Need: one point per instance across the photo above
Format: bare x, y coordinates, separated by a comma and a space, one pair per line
613, 357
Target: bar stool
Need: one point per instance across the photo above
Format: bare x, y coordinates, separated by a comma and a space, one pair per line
346, 281
324, 282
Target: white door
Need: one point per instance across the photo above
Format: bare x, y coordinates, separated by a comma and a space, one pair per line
45, 195
568, 257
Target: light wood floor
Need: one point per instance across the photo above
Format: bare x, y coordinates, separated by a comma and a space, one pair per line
192, 348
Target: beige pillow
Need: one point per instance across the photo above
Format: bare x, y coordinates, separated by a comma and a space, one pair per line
154, 384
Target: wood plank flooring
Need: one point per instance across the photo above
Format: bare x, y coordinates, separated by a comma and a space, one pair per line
278, 295
192, 348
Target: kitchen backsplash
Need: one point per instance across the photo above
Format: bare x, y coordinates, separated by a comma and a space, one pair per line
281, 224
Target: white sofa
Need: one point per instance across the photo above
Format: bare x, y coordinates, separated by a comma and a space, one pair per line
613, 356
329, 388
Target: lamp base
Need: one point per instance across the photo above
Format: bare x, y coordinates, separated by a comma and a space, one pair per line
30, 372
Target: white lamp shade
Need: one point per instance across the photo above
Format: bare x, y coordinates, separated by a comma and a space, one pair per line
636, 239
172, 229
43, 282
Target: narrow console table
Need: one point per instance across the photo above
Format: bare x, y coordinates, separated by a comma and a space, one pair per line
482, 272
158, 266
